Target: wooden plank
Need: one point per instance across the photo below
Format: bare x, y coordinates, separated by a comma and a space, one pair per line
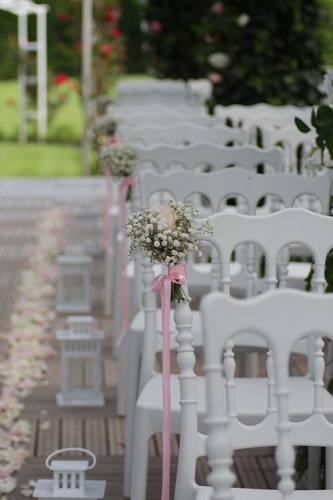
116, 436
47, 441
71, 432
249, 472
95, 436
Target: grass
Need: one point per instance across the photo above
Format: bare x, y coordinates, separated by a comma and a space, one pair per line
53, 158
39, 160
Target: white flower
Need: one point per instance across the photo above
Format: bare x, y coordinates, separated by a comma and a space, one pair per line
219, 60
243, 20
156, 243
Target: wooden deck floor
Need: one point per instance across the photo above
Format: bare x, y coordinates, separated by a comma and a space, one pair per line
98, 429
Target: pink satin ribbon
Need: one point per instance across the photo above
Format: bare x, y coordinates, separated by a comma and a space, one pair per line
162, 284
113, 139
123, 190
106, 229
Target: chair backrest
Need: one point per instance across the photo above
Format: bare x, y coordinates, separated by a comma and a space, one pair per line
216, 186
291, 139
272, 233
217, 157
156, 113
263, 117
182, 133
170, 117
164, 91
281, 318
152, 108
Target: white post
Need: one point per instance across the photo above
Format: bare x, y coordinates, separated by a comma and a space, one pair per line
86, 78
41, 73
22, 39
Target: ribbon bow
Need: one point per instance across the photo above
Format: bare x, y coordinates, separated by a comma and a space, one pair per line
123, 190
162, 284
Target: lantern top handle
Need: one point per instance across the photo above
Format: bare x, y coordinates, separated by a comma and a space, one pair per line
63, 450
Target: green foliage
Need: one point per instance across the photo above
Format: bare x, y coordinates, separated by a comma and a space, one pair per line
265, 51
8, 45
64, 41
322, 121
173, 40
132, 13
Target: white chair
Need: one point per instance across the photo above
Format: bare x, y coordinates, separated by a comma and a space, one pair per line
291, 139
170, 117
171, 92
281, 317
214, 155
80, 342
272, 233
181, 133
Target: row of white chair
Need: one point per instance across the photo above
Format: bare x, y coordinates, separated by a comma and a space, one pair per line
144, 404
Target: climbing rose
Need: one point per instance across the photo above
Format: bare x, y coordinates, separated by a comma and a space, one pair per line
156, 26
111, 16
62, 18
60, 78
218, 7
214, 78
115, 32
105, 49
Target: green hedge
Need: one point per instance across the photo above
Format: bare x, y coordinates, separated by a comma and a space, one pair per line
267, 51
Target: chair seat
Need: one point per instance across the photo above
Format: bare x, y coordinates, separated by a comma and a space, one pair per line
205, 492
251, 399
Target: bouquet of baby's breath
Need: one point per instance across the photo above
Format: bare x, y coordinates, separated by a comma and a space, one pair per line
120, 159
166, 235
103, 127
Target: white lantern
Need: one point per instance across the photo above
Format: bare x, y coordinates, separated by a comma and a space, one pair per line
69, 481
80, 342
86, 230
73, 291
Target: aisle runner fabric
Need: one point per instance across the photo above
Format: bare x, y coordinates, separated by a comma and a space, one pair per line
24, 368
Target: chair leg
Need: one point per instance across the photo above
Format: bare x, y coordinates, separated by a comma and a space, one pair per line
142, 433
122, 376
131, 397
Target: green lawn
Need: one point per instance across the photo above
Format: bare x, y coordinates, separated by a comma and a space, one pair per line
60, 155
39, 160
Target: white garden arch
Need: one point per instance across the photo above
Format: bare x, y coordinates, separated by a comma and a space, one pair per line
22, 8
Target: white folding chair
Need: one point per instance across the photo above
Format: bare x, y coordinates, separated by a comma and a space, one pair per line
281, 317
183, 132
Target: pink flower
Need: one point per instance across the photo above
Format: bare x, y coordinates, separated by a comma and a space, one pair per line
156, 26
168, 215
218, 8
215, 78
